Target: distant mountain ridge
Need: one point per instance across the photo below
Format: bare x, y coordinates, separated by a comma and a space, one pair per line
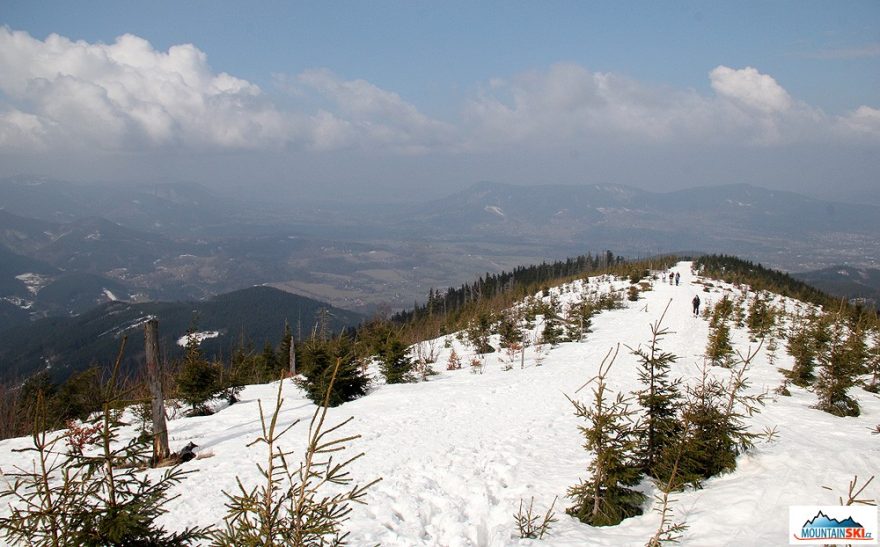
65, 345
182, 242
773, 226
846, 282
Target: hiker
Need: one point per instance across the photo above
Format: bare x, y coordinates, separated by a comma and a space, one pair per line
671, 277
696, 303
677, 277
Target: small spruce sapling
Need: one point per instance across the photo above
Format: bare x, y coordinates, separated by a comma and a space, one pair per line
531, 525
840, 362
606, 498
292, 506
659, 397
94, 494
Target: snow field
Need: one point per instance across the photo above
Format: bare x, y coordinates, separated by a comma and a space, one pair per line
457, 453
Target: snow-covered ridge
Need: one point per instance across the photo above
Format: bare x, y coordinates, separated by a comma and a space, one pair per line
457, 453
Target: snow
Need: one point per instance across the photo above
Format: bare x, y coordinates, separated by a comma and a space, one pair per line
494, 209
34, 281
109, 294
198, 336
457, 453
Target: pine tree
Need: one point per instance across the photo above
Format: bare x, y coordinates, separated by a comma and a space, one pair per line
297, 505
94, 497
283, 357
509, 330
719, 350
802, 347
660, 399
318, 359
840, 362
394, 361
606, 498
761, 318
552, 333
715, 412
873, 359
479, 330
579, 319
198, 381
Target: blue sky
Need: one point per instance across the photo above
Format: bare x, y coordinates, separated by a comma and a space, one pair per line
370, 93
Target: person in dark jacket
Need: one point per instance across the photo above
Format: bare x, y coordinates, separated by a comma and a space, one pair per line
696, 303
677, 277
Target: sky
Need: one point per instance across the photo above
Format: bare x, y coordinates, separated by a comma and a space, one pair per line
410, 100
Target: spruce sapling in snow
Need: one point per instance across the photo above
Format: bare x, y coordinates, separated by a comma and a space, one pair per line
660, 398
96, 494
715, 412
198, 381
292, 506
318, 360
532, 526
394, 362
718, 349
801, 346
840, 362
606, 498
873, 360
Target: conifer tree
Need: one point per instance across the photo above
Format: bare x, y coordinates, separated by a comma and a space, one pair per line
552, 333
606, 498
479, 330
840, 362
719, 350
801, 345
509, 330
761, 318
319, 358
283, 357
93, 497
296, 505
394, 361
873, 359
659, 397
198, 381
578, 320
715, 412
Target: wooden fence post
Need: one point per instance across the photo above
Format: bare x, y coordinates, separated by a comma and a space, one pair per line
154, 377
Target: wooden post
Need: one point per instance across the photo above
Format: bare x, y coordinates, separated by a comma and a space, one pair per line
154, 377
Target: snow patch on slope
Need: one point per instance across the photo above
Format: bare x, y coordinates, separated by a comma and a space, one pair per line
494, 209
198, 337
34, 281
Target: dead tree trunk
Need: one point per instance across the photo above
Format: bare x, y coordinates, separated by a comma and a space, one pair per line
292, 357
154, 377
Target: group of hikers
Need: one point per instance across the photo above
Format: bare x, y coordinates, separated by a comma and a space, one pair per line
675, 277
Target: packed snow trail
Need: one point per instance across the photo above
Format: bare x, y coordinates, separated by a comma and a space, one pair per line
457, 453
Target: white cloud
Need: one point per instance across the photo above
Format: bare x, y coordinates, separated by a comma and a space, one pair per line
568, 105
864, 120
750, 89
61, 94
126, 94
371, 114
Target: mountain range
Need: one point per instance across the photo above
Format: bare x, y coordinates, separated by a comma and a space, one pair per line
185, 242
